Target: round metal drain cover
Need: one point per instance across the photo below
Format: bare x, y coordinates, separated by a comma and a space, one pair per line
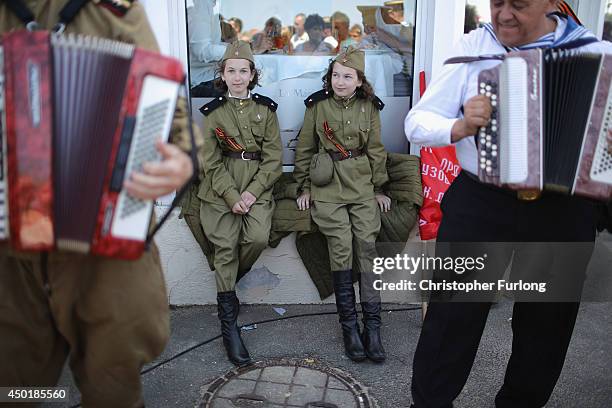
286, 383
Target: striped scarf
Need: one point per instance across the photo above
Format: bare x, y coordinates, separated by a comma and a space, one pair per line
573, 31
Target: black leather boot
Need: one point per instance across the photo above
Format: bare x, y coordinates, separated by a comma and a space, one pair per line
228, 308
371, 331
347, 315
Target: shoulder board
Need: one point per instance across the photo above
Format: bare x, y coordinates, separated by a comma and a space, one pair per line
378, 103
117, 7
212, 105
317, 97
264, 100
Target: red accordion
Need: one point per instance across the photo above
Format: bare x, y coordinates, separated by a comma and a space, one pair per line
79, 114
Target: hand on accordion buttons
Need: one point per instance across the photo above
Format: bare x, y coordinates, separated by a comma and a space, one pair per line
164, 177
610, 141
476, 114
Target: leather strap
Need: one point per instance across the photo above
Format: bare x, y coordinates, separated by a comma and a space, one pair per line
352, 154
243, 155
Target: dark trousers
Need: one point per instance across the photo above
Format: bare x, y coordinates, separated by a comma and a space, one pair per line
451, 332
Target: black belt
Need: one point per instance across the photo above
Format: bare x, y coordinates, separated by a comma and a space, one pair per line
353, 153
523, 195
244, 155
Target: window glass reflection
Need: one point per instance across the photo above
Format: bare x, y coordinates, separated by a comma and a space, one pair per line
295, 40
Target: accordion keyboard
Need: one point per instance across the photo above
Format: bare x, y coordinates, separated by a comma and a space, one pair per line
152, 123
488, 136
153, 120
602, 162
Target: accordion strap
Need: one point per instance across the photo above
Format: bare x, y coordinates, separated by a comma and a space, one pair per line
580, 42
67, 14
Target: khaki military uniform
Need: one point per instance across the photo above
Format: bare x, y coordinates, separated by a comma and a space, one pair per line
110, 315
238, 239
345, 210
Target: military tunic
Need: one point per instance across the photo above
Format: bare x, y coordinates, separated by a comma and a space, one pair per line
345, 210
239, 239
111, 315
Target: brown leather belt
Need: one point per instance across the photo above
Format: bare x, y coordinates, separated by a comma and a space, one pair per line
243, 155
353, 153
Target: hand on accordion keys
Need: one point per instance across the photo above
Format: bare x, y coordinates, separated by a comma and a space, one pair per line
476, 114
165, 177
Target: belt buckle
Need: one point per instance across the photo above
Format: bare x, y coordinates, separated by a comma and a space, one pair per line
244, 158
350, 154
528, 195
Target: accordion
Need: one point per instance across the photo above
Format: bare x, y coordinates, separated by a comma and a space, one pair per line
78, 116
551, 113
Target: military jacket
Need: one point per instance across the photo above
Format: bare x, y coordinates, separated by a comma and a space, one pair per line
356, 125
253, 124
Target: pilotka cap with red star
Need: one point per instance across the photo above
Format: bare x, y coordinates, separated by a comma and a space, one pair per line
239, 50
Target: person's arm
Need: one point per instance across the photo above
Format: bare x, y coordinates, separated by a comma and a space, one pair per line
204, 35
376, 153
307, 146
431, 121
270, 167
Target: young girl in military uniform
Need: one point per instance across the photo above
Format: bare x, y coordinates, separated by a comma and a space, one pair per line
342, 128
242, 161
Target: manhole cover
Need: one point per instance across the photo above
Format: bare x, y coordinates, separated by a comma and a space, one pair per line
286, 383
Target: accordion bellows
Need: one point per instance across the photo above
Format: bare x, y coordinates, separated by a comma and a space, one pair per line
551, 115
79, 115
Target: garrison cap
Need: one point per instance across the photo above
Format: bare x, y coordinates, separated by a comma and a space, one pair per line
352, 58
239, 50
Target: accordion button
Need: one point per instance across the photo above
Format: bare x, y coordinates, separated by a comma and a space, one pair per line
482, 85
482, 91
483, 153
488, 88
483, 141
494, 152
483, 166
488, 138
488, 145
494, 103
494, 128
489, 162
483, 160
489, 169
494, 97
220, 98
488, 94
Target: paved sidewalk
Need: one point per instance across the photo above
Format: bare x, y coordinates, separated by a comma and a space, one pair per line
585, 382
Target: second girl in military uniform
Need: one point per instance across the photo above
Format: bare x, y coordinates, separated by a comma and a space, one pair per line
342, 128
242, 161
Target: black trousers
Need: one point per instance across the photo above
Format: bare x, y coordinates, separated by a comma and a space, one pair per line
474, 212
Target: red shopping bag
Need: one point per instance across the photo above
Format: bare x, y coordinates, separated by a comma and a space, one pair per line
439, 168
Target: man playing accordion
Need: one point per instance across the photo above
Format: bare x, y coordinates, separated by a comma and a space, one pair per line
452, 112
